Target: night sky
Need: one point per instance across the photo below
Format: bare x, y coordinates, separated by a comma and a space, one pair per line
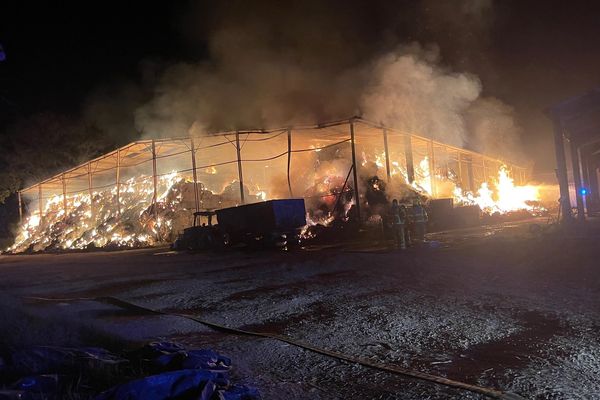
529, 54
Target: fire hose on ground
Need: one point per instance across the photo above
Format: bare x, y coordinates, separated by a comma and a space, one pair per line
489, 392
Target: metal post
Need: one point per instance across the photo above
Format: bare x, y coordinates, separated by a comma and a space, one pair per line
594, 196
289, 160
91, 193
387, 155
154, 179
40, 202
561, 170
460, 177
577, 179
485, 175
194, 175
118, 182
410, 168
431, 167
447, 157
20, 207
239, 162
472, 187
354, 172
64, 193
589, 176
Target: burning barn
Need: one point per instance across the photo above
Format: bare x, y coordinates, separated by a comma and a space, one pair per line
146, 192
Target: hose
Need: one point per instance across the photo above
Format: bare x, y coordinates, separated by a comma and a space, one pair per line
491, 393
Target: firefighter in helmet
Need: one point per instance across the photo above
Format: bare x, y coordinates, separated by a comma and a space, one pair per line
399, 224
419, 221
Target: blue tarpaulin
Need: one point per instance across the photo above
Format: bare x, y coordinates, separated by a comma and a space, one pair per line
192, 384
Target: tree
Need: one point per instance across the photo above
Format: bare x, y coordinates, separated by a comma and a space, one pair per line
43, 145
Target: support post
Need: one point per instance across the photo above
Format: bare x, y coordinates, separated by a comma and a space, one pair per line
118, 182
585, 177
289, 160
40, 202
589, 178
521, 180
431, 167
20, 207
239, 162
195, 175
408, 155
154, 180
561, 170
447, 158
90, 192
485, 174
594, 196
459, 162
387, 156
577, 179
64, 193
354, 172
472, 187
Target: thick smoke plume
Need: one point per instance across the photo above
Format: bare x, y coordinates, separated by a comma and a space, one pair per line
271, 65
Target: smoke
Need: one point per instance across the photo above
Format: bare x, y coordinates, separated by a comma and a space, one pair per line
314, 63
409, 90
493, 129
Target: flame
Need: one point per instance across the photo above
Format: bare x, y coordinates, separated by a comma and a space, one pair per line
499, 196
134, 226
323, 219
505, 198
136, 222
261, 195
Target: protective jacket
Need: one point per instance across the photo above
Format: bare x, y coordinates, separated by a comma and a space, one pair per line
419, 214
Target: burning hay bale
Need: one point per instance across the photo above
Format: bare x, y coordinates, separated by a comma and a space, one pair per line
335, 174
132, 221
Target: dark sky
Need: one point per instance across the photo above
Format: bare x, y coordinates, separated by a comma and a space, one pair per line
528, 54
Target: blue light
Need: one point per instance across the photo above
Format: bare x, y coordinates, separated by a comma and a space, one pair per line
583, 191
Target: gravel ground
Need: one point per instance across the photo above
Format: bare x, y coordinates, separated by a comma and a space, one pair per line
494, 306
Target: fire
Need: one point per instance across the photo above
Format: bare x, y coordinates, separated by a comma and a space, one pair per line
132, 221
261, 195
505, 198
137, 216
500, 196
134, 226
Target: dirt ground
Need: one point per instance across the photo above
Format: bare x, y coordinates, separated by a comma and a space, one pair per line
509, 306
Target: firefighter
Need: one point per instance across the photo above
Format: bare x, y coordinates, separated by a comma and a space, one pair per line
419, 221
406, 226
399, 224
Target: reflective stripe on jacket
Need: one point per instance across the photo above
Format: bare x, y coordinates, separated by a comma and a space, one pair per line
397, 216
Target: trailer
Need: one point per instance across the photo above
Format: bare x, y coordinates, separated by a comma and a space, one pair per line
273, 223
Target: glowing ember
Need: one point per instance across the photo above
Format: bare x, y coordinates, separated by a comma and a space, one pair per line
129, 221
